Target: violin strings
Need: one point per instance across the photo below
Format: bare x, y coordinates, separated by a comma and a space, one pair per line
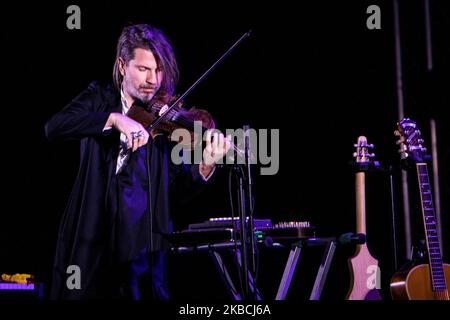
187, 123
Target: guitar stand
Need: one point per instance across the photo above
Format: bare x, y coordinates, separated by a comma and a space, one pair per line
291, 264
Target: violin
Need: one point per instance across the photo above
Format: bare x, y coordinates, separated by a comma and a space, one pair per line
178, 117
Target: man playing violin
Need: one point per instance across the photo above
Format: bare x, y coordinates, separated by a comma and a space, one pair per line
116, 223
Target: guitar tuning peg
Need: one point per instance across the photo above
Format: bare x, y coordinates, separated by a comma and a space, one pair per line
371, 146
372, 155
355, 154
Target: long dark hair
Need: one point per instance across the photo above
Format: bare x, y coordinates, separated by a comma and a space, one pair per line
146, 37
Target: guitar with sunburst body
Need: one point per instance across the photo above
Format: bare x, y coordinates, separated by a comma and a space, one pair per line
424, 281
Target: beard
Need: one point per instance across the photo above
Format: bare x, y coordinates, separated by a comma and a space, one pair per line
143, 96
147, 97
138, 93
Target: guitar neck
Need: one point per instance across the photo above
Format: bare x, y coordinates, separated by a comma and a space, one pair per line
360, 202
431, 233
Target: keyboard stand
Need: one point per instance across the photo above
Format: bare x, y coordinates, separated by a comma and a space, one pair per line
229, 284
214, 252
289, 270
222, 269
291, 264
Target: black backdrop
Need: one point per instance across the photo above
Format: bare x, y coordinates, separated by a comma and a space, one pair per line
313, 70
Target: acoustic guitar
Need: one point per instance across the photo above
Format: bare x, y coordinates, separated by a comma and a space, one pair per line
364, 271
424, 281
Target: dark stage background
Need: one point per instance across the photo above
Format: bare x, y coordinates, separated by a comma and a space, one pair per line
313, 70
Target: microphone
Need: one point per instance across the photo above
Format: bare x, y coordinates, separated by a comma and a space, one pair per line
352, 238
240, 153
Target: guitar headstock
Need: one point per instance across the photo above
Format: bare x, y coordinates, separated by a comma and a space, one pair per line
410, 141
362, 154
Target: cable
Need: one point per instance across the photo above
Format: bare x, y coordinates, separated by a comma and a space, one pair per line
149, 197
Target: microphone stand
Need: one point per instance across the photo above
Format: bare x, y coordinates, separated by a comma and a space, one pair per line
245, 200
243, 234
247, 148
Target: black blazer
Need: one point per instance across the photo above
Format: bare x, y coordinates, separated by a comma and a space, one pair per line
86, 235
